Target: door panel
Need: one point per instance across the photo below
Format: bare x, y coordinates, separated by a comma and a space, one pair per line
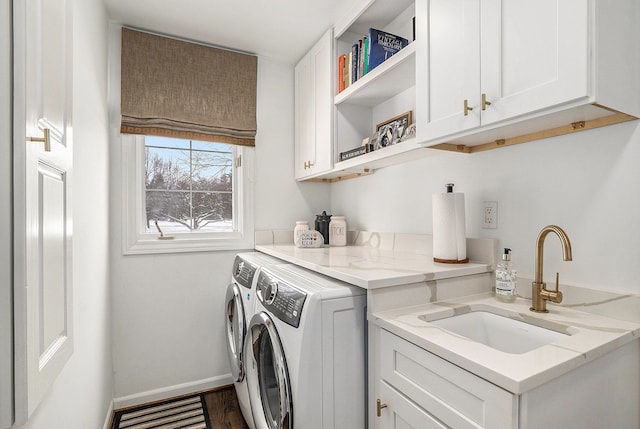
42, 198
534, 55
6, 226
453, 63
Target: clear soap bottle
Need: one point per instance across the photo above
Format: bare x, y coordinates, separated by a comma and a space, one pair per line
506, 277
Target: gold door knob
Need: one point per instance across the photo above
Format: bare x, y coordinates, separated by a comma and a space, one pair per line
46, 140
467, 108
485, 103
380, 406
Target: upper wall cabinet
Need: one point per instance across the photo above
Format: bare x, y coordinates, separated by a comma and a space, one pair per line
314, 110
493, 73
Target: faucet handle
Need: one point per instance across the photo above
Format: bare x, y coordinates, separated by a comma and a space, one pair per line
556, 295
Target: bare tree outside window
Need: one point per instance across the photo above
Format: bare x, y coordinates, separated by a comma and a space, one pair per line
188, 185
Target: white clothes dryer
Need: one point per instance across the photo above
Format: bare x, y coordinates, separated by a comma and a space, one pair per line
306, 351
239, 306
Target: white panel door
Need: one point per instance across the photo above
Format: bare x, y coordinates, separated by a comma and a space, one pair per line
304, 120
314, 110
534, 55
6, 227
453, 64
42, 197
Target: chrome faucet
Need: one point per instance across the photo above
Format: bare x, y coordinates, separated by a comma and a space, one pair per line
539, 293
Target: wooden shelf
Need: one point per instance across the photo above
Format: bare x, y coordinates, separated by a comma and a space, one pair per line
388, 79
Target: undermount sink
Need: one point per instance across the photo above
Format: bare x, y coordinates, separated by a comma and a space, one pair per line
499, 332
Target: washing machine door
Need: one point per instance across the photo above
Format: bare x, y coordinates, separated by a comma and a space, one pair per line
236, 327
268, 378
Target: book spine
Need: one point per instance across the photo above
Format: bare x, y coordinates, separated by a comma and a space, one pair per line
347, 70
341, 73
365, 61
354, 63
360, 58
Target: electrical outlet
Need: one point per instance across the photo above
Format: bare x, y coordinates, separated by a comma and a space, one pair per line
490, 215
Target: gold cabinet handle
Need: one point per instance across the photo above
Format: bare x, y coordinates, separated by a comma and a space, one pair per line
485, 103
467, 108
46, 140
380, 406
308, 164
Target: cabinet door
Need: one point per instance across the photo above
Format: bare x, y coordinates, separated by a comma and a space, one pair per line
533, 55
304, 121
401, 413
314, 110
450, 394
453, 64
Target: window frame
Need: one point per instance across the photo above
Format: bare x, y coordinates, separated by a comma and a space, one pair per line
136, 240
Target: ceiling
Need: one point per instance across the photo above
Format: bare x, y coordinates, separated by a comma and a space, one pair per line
280, 29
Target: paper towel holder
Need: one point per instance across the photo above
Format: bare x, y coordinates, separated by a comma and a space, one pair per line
449, 190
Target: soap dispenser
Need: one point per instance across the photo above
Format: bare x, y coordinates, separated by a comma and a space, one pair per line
506, 279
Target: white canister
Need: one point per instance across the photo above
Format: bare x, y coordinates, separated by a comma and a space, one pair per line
338, 231
301, 225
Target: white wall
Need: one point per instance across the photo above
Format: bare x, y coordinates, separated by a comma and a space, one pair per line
167, 310
81, 395
588, 183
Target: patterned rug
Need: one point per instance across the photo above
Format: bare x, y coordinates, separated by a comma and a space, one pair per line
183, 413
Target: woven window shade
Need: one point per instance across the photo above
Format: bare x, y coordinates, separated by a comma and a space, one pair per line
178, 89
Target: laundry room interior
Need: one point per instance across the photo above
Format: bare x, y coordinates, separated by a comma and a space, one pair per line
362, 268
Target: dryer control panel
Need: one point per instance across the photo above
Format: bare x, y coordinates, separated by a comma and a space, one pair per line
280, 298
243, 272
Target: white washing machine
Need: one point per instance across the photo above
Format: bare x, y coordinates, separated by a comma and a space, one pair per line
306, 351
239, 305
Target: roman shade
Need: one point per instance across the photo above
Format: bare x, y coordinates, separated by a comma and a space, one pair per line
174, 88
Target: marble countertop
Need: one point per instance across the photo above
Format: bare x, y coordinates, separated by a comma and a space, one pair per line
392, 260
370, 268
591, 337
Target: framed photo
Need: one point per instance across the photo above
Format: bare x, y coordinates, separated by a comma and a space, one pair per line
391, 131
373, 141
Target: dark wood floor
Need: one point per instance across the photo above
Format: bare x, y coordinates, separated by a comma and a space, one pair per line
224, 410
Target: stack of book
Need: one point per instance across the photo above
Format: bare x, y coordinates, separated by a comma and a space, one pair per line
366, 54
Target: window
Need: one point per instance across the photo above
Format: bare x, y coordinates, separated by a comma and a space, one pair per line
185, 195
188, 186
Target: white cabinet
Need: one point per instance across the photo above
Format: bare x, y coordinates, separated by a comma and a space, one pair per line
422, 390
523, 67
314, 110
418, 389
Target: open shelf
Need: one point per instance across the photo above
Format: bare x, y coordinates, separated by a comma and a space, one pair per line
391, 77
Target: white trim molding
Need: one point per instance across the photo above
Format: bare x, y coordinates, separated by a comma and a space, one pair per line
172, 391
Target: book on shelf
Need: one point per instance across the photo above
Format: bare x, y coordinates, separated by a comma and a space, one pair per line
341, 79
382, 46
355, 53
366, 54
352, 153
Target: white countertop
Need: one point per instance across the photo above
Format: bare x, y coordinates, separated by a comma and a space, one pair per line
592, 336
369, 267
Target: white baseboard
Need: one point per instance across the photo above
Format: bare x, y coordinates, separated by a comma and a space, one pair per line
172, 391
107, 420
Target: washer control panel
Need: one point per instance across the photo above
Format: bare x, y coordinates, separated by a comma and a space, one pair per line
280, 298
243, 272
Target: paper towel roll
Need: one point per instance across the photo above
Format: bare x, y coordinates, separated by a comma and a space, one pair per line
449, 233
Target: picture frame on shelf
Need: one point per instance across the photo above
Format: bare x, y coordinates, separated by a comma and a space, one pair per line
373, 141
392, 130
409, 133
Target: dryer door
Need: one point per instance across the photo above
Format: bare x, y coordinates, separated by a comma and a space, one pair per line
236, 327
268, 377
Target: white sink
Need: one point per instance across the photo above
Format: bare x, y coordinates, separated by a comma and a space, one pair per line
499, 332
